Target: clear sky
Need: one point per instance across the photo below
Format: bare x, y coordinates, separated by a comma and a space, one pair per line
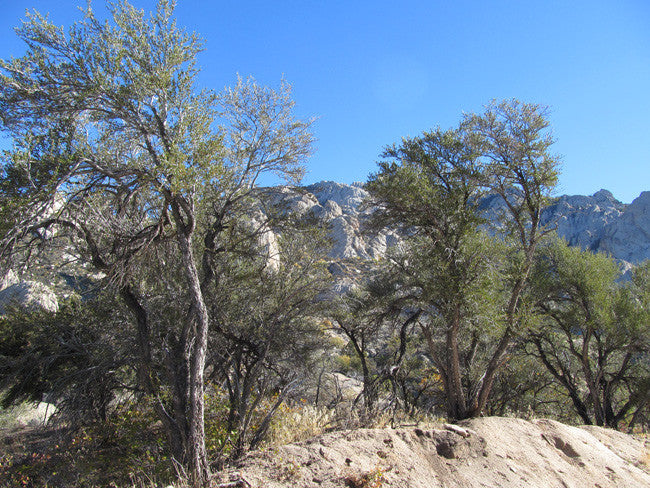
375, 71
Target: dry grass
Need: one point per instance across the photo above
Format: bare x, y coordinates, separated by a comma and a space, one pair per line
300, 421
295, 423
371, 479
25, 414
645, 460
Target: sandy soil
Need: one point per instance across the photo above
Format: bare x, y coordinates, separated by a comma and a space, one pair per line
487, 452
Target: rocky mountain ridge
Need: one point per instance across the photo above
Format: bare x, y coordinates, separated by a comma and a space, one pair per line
598, 222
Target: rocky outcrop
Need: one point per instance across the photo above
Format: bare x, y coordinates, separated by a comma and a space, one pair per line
28, 295
628, 236
581, 219
598, 222
341, 206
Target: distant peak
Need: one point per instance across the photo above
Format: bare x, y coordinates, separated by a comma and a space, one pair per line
603, 194
326, 184
643, 198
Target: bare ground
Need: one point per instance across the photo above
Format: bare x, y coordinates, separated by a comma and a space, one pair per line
487, 452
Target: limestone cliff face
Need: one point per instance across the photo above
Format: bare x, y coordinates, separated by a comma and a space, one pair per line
628, 236
598, 222
341, 206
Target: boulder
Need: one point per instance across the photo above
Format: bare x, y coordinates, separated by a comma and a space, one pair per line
8, 279
28, 295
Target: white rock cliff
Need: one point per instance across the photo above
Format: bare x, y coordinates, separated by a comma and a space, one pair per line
598, 222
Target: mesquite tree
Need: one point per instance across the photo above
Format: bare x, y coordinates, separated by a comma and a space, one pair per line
468, 283
431, 187
116, 150
514, 142
592, 335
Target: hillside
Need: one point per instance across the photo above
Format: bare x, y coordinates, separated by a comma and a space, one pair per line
485, 452
598, 222
480, 453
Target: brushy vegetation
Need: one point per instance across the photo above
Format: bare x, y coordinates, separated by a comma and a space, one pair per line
205, 332
129, 448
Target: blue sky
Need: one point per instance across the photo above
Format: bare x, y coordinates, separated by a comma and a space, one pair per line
375, 71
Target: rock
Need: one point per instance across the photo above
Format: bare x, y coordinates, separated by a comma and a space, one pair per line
348, 197
294, 200
29, 295
628, 236
341, 207
598, 222
581, 220
329, 211
9, 279
458, 430
268, 241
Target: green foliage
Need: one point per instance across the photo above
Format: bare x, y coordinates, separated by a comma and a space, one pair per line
525, 389
429, 182
514, 142
121, 159
593, 336
263, 321
150, 180
76, 359
127, 447
467, 285
513, 139
431, 186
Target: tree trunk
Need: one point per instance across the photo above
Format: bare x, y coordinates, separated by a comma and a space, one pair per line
497, 359
175, 424
196, 460
456, 404
563, 378
592, 383
493, 367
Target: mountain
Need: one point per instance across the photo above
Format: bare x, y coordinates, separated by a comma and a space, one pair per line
628, 237
598, 222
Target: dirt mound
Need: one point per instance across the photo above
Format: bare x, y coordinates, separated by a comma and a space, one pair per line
487, 452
